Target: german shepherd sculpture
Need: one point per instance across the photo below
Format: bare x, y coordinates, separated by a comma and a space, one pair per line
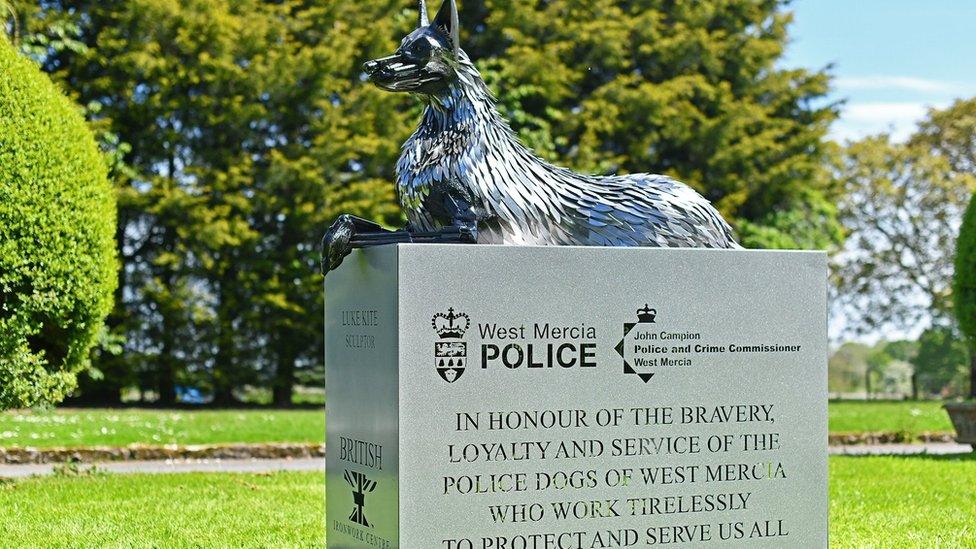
464, 177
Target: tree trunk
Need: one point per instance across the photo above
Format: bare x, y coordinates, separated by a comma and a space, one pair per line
102, 392
287, 352
914, 386
165, 369
166, 362
224, 363
284, 389
284, 382
867, 384
972, 370
166, 383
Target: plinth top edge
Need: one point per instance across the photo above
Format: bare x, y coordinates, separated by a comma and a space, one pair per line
471, 248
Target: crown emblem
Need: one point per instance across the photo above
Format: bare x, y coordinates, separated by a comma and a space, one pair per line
646, 315
451, 325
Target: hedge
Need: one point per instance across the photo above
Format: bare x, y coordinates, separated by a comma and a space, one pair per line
964, 292
57, 224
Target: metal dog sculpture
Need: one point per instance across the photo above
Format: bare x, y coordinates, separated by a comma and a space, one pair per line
464, 177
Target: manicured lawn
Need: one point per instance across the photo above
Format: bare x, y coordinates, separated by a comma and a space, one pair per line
111, 427
189, 510
896, 416
104, 427
875, 502
903, 501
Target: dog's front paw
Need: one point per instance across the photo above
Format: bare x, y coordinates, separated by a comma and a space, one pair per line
335, 245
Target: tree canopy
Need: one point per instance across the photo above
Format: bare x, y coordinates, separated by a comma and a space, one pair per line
689, 89
940, 365
244, 127
965, 286
902, 204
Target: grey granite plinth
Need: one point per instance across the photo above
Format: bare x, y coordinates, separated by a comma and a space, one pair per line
553, 397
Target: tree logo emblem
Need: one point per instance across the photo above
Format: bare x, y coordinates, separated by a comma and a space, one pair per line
361, 485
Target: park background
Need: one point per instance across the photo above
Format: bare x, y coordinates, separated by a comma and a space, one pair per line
233, 132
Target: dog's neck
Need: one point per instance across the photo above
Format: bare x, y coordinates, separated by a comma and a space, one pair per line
465, 103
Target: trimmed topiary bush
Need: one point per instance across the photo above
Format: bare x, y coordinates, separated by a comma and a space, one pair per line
57, 226
964, 290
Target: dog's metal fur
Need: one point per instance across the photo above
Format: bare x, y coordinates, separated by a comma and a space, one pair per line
465, 168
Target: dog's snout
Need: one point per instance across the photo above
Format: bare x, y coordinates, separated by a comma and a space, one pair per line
371, 66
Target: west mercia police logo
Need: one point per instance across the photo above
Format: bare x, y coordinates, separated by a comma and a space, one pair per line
450, 353
636, 365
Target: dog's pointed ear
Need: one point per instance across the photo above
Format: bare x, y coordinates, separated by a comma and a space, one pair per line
447, 20
424, 17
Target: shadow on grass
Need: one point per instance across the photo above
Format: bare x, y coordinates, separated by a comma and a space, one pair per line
952, 458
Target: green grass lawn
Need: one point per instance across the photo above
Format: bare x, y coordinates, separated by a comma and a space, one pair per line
875, 502
173, 510
104, 427
903, 501
897, 416
109, 427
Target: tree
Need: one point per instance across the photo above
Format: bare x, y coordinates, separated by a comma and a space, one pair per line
941, 360
905, 351
247, 127
847, 366
951, 134
885, 363
965, 287
902, 207
240, 129
691, 89
100, 384
875, 365
57, 217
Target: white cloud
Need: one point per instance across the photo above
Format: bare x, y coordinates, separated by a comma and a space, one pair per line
905, 83
885, 111
899, 119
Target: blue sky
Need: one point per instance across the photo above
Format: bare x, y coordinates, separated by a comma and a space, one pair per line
892, 59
